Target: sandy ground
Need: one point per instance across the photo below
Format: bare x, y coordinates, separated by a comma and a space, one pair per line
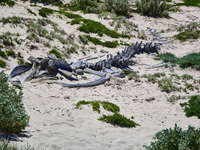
55, 122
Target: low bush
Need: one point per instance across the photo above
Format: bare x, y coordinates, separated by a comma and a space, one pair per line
9, 3
2, 64
119, 7
119, 120
56, 53
190, 60
192, 107
152, 8
13, 117
176, 139
44, 12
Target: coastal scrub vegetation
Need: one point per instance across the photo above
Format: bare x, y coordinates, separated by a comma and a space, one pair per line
191, 60
119, 7
119, 120
115, 119
9, 3
176, 139
13, 117
192, 107
6, 146
152, 8
2, 64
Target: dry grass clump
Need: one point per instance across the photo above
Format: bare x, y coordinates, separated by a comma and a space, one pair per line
152, 8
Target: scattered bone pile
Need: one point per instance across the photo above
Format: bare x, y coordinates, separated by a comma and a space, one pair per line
105, 69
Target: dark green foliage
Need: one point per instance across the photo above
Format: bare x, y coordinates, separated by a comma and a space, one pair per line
13, 118
9, 3
56, 53
120, 7
95, 105
31, 12
192, 2
11, 53
152, 8
110, 107
2, 64
192, 107
90, 26
44, 12
190, 60
167, 57
176, 139
3, 54
118, 120
183, 36
97, 41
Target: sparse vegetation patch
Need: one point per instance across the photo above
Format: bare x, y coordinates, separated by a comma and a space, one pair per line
2, 64
9, 3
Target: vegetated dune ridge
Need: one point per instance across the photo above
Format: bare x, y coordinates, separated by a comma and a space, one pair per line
56, 123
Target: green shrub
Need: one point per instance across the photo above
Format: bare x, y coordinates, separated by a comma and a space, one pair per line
183, 36
95, 105
12, 20
13, 118
11, 53
176, 139
190, 60
192, 107
88, 6
166, 85
3, 54
7, 39
44, 12
118, 120
9, 3
56, 53
120, 7
110, 107
2, 64
195, 3
152, 8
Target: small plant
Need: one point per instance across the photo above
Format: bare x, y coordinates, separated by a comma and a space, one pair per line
7, 39
83, 39
21, 61
172, 99
110, 107
56, 53
95, 105
192, 107
119, 120
31, 12
186, 77
154, 77
120, 7
2, 64
3, 54
9, 3
12, 20
183, 36
166, 85
11, 53
13, 118
152, 8
176, 139
44, 12
132, 75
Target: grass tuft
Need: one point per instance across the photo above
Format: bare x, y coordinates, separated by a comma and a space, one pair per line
56, 53
110, 107
2, 64
44, 12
